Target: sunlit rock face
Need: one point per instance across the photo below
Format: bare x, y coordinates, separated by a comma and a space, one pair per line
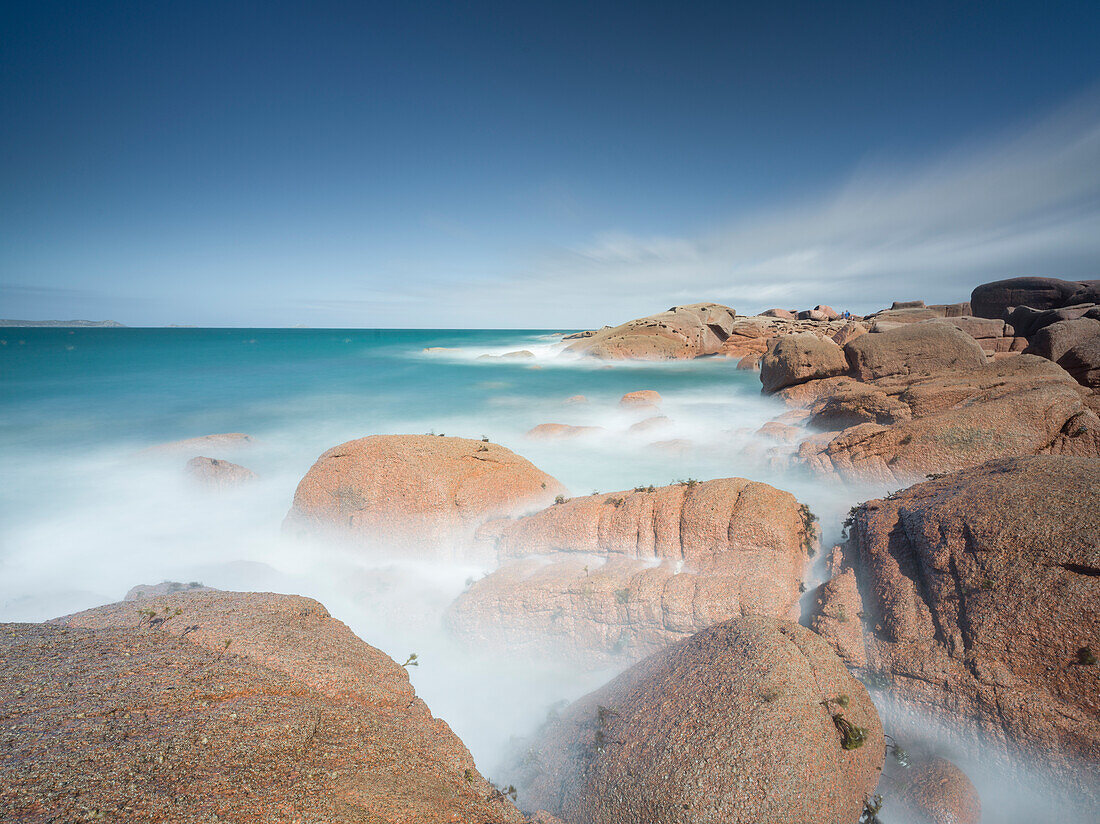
946, 421
199, 706
981, 592
421, 496
613, 577
681, 332
753, 720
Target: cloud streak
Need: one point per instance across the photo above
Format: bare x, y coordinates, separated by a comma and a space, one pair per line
1022, 203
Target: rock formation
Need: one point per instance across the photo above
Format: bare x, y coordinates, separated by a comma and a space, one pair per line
421, 495
753, 720
800, 358
681, 332
206, 706
981, 592
993, 300
608, 578
218, 474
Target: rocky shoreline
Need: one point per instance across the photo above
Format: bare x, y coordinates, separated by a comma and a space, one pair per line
971, 596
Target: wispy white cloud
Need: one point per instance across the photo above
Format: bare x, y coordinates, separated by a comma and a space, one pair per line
1018, 203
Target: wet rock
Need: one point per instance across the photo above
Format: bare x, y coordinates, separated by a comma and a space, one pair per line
681, 332
799, 358
649, 424
217, 473
751, 361
934, 791
419, 495
560, 431
980, 590
295, 718
643, 398
616, 576
736, 724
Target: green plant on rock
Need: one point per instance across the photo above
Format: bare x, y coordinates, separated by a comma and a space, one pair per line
615, 502
688, 482
411, 661
560, 499
852, 737
650, 488
622, 596
809, 528
1086, 657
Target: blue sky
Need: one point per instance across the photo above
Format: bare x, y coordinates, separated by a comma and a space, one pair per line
547, 165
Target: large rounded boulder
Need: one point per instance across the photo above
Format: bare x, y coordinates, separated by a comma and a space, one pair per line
420, 495
795, 359
982, 590
753, 720
913, 350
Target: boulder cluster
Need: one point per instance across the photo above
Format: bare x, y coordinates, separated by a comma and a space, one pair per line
971, 597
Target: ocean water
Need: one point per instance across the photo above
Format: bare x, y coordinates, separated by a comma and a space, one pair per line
85, 513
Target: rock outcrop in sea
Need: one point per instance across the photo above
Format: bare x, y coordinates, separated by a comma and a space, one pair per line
612, 578
417, 495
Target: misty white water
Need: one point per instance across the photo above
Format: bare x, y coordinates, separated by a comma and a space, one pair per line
84, 516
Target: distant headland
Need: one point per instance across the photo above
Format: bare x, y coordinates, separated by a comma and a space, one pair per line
114, 324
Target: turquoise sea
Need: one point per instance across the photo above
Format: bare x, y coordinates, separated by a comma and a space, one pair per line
85, 514
86, 511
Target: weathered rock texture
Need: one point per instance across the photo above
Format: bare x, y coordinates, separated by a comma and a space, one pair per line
421, 495
296, 719
681, 332
607, 578
913, 350
795, 359
981, 589
932, 791
735, 724
900, 427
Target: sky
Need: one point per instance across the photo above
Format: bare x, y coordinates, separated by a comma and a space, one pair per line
537, 165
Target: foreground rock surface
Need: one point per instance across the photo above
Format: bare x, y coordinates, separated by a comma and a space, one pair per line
295, 719
681, 332
609, 578
420, 495
735, 724
981, 590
